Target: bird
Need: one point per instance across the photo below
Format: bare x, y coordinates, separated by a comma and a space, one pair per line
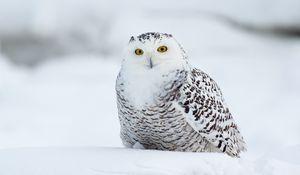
164, 103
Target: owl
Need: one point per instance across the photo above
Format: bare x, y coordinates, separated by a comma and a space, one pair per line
166, 104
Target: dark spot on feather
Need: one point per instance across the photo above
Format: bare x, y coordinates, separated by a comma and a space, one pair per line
187, 109
220, 144
224, 149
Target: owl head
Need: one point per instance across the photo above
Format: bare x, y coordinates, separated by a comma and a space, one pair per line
154, 52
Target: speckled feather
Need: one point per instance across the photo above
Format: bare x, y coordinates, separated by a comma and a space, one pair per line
188, 113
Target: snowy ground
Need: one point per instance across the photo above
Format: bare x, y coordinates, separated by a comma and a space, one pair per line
100, 160
60, 116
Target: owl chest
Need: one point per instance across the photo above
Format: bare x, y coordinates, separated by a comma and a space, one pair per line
156, 123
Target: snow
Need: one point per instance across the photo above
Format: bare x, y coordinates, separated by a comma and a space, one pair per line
100, 160
60, 116
61, 100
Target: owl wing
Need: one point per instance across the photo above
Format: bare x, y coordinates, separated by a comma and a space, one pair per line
202, 101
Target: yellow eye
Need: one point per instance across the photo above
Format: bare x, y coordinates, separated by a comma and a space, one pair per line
162, 49
138, 51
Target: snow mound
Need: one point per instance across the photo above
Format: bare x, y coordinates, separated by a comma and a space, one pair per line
99, 160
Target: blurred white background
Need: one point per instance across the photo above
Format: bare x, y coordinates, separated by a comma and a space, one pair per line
59, 60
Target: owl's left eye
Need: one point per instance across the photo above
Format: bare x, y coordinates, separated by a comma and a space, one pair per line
162, 49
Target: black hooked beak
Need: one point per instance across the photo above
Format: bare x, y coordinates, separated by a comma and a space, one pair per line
150, 63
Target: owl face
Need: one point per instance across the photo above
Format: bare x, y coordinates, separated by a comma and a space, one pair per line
153, 51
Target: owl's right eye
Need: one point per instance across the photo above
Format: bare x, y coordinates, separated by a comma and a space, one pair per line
138, 51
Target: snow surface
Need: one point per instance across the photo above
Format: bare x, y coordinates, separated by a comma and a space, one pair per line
60, 117
100, 160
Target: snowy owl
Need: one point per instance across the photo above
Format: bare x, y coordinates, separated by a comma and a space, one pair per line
166, 104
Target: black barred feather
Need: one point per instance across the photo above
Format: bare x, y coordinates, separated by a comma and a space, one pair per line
209, 115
